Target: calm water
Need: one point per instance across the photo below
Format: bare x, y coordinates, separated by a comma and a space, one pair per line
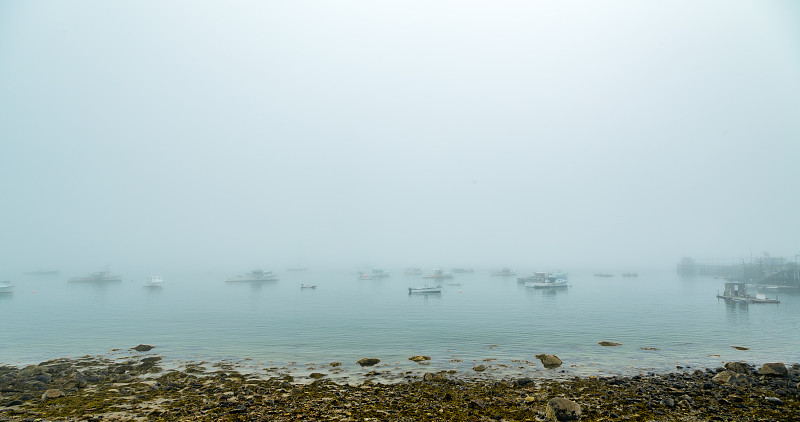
200, 317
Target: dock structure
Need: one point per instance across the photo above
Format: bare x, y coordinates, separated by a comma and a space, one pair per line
763, 270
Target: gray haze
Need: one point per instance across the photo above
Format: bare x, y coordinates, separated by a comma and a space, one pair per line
349, 133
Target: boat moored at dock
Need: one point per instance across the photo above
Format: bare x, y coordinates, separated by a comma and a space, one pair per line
737, 292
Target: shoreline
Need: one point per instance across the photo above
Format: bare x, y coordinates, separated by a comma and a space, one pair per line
135, 386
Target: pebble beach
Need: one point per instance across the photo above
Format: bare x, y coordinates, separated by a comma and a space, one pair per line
137, 387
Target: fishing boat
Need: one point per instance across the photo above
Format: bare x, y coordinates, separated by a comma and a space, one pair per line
438, 274
380, 273
737, 292
97, 277
541, 280
630, 274
154, 281
308, 286
504, 272
6, 287
254, 276
426, 289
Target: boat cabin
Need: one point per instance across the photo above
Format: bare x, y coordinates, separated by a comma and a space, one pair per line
735, 290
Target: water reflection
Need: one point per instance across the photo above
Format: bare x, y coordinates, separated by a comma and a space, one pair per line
425, 296
531, 292
735, 310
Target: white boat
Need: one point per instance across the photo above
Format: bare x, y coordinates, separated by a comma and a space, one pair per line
426, 289
255, 275
548, 284
99, 276
6, 287
438, 274
154, 281
308, 286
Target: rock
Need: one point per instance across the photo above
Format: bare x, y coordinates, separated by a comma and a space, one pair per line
143, 348
433, 377
740, 348
549, 361
316, 375
738, 367
52, 394
773, 400
561, 409
335, 364
773, 369
609, 343
368, 361
419, 358
731, 378
524, 381
668, 401
477, 404
479, 368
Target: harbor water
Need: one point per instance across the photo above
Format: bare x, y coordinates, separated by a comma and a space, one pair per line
662, 321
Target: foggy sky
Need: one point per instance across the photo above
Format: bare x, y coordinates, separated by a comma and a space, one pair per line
544, 134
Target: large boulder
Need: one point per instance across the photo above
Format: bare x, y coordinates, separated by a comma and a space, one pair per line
368, 361
609, 343
419, 358
731, 378
773, 369
549, 361
738, 367
561, 409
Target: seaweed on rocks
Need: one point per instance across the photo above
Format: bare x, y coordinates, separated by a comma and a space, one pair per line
84, 390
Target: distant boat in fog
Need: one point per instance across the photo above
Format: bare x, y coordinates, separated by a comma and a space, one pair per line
463, 270
154, 281
308, 286
6, 287
504, 272
99, 276
438, 273
42, 272
255, 275
630, 275
603, 275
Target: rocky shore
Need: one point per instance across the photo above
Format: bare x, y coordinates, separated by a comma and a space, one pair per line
137, 388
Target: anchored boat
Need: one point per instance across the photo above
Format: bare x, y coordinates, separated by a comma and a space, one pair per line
99, 276
255, 275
